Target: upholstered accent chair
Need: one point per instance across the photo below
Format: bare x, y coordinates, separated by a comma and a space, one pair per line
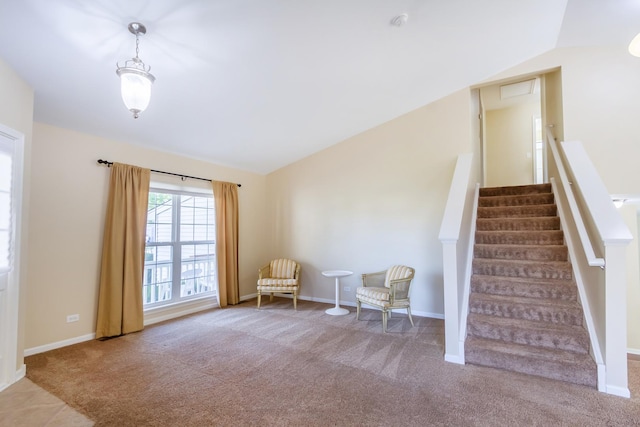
279, 276
387, 290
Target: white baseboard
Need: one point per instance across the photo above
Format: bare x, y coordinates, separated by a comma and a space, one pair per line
345, 303
618, 391
454, 359
41, 349
150, 318
635, 351
20, 373
172, 312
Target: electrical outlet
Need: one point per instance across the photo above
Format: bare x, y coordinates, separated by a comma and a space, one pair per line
347, 288
73, 318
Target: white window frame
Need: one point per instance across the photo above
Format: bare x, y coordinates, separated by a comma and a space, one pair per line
178, 306
9, 298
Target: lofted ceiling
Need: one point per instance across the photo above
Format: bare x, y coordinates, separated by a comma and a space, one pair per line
259, 84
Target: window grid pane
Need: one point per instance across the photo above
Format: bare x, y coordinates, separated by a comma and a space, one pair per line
157, 279
195, 231
197, 270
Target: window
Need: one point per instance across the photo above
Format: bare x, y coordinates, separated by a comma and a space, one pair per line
5, 207
180, 250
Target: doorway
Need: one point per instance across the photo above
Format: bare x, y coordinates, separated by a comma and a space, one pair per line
512, 144
11, 172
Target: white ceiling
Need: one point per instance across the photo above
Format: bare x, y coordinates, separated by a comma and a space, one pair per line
258, 84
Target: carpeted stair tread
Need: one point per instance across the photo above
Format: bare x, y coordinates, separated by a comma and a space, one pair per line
513, 190
555, 364
521, 252
523, 268
524, 312
535, 309
545, 237
517, 211
525, 287
518, 331
517, 200
523, 224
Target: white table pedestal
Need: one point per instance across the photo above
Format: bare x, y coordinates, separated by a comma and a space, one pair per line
337, 310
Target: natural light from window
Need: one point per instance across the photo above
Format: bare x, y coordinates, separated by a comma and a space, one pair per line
180, 248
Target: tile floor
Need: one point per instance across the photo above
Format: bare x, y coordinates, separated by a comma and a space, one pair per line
25, 404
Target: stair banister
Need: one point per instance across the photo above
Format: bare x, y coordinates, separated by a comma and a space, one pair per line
603, 293
457, 247
573, 206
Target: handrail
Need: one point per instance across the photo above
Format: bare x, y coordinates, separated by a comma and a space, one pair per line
573, 206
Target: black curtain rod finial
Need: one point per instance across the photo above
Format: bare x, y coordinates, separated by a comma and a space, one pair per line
105, 162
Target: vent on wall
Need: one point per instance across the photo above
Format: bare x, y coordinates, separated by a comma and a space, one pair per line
518, 89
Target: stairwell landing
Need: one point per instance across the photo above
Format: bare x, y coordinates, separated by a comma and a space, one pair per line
524, 312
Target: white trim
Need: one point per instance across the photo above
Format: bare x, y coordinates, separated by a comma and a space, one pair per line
347, 303
20, 373
618, 391
11, 301
596, 351
160, 314
58, 344
602, 377
464, 310
635, 351
459, 360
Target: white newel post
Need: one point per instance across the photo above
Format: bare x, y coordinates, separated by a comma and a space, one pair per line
616, 315
451, 312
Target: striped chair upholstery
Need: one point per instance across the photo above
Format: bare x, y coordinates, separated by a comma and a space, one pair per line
281, 276
387, 290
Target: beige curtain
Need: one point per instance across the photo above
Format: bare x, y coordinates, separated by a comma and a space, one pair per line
120, 299
226, 199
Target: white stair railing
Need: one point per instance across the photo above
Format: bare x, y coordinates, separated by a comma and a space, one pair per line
593, 221
456, 236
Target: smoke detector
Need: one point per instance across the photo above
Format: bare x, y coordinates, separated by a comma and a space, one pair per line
400, 20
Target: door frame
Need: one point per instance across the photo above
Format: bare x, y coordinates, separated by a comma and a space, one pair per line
9, 303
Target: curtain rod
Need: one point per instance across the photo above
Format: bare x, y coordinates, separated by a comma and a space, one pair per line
183, 177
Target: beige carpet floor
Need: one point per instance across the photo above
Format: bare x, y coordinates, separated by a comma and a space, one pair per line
239, 366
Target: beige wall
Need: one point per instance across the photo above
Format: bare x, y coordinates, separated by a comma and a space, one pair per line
372, 201
68, 199
16, 112
509, 145
631, 217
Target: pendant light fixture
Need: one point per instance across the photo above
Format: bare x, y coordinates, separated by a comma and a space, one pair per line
634, 46
135, 79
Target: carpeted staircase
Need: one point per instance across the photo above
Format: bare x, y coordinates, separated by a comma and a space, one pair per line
524, 313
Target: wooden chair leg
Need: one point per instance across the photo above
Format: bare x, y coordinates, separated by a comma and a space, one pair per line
295, 299
271, 297
409, 313
259, 295
357, 309
384, 320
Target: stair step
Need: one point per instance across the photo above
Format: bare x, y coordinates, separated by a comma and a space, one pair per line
525, 287
522, 252
522, 224
545, 237
513, 190
535, 309
538, 334
518, 200
523, 268
554, 364
517, 211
